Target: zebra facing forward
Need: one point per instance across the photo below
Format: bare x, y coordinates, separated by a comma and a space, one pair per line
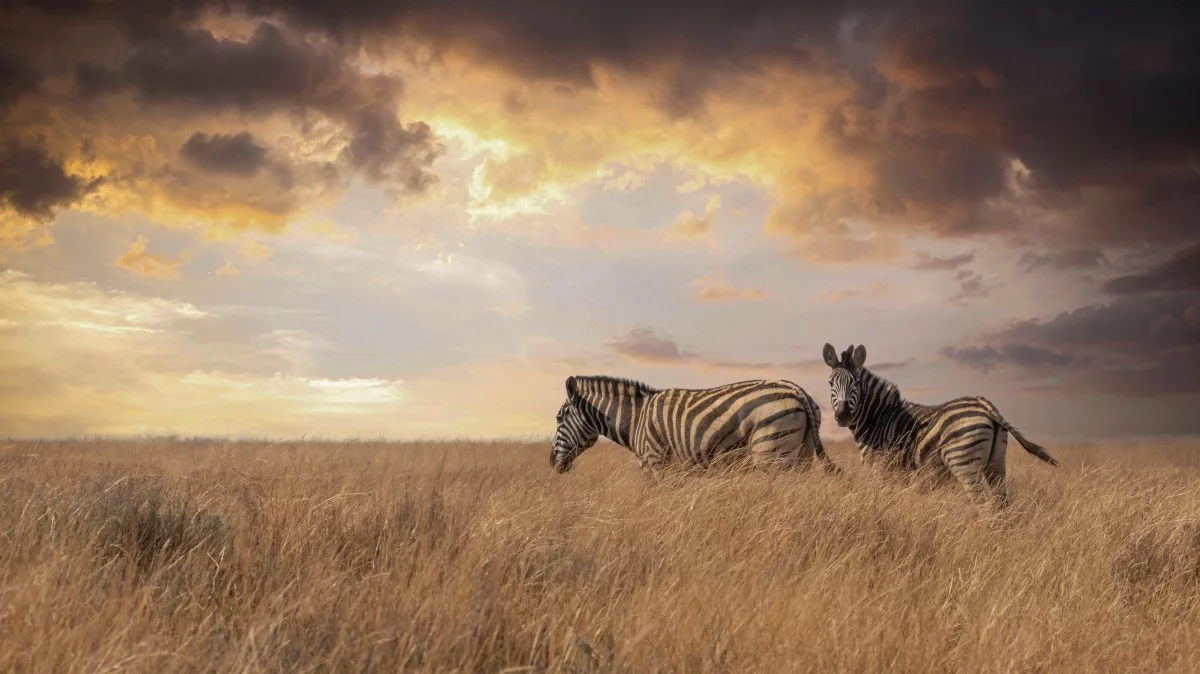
774, 422
965, 436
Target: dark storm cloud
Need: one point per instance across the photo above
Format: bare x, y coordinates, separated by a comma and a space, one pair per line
1096, 101
1095, 97
943, 177
274, 71
1181, 272
269, 71
16, 78
1068, 258
160, 55
1135, 345
34, 183
234, 154
93, 80
986, 358
545, 39
385, 150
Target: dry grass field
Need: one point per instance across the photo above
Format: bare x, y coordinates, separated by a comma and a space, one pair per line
161, 555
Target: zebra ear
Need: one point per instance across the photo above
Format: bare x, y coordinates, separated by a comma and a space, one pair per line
572, 390
830, 355
859, 357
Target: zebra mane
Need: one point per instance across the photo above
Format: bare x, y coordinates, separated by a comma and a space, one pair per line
620, 383
847, 360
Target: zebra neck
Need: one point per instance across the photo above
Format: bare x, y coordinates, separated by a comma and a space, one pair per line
615, 410
884, 419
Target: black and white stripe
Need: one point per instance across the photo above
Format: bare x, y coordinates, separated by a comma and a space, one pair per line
966, 436
774, 422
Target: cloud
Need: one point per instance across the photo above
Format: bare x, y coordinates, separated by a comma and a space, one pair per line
928, 262
33, 185
227, 269
1136, 345
16, 78
716, 290
867, 125
277, 71
930, 125
141, 263
873, 291
1084, 257
254, 250
627, 181
563, 44
644, 344
986, 358
267, 97
1181, 272
81, 306
194, 67
690, 225
970, 286
233, 154
890, 366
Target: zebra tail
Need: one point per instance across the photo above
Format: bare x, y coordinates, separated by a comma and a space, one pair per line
813, 411
1030, 446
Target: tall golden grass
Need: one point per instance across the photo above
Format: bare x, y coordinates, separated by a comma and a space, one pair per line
159, 556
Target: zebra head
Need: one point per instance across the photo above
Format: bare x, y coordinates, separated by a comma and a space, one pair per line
577, 431
845, 382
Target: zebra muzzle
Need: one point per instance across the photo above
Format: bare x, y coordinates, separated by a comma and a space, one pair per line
560, 461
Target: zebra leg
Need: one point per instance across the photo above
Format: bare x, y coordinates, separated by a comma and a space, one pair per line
650, 459
649, 475
994, 471
770, 455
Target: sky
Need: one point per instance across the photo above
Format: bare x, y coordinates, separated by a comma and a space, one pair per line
415, 220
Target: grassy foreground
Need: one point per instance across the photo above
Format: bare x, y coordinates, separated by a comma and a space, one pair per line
474, 557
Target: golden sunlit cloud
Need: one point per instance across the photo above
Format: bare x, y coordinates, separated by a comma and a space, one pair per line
765, 127
627, 181
254, 250
31, 303
22, 233
716, 290
227, 269
141, 263
689, 225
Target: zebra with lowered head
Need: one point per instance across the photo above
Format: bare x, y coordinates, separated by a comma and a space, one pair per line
966, 436
773, 422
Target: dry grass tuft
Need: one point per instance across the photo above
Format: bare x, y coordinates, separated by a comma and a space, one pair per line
475, 557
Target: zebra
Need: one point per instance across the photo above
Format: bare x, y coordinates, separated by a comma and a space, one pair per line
966, 437
775, 422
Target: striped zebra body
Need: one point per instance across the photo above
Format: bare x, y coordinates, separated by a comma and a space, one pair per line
966, 437
774, 422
